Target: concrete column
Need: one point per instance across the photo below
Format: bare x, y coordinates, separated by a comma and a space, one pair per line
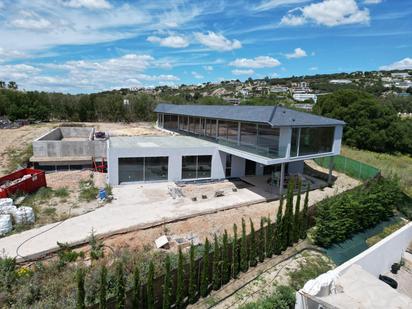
285, 141
282, 178
238, 133
330, 171
259, 169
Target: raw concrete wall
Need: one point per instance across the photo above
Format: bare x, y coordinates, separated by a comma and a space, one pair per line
238, 166
52, 145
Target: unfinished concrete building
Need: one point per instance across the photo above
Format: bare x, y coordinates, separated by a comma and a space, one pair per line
67, 148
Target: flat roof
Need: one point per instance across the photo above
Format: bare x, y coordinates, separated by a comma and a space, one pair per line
172, 141
275, 116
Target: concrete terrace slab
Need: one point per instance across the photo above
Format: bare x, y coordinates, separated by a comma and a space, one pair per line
135, 207
158, 142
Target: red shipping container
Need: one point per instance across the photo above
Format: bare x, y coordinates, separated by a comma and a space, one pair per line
29, 185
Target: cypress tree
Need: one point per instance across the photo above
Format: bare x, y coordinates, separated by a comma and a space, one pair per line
192, 276
167, 285
261, 243
180, 281
217, 279
269, 238
136, 288
204, 278
225, 259
288, 222
252, 242
81, 293
305, 216
150, 288
103, 288
297, 214
278, 237
244, 259
235, 253
120, 287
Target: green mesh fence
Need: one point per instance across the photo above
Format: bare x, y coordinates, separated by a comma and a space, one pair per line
349, 167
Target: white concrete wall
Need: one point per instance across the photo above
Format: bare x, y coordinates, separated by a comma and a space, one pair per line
379, 258
337, 141
284, 140
175, 160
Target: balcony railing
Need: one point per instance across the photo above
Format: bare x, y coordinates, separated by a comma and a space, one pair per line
268, 152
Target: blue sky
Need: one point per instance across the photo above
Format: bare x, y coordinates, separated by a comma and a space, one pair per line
82, 46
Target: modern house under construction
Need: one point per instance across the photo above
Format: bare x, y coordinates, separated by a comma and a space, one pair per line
216, 142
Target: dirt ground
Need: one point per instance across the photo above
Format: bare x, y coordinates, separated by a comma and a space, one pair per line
57, 208
207, 225
267, 281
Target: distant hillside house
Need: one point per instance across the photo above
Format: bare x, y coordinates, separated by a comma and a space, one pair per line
340, 81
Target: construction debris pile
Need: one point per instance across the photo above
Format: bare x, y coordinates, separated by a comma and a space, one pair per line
11, 214
13, 182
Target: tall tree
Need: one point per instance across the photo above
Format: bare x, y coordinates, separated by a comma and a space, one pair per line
297, 214
244, 256
81, 293
217, 279
253, 249
103, 288
305, 215
192, 276
180, 281
204, 279
225, 259
120, 286
150, 287
269, 235
235, 253
136, 288
279, 243
288, 218
261, 242
167, 285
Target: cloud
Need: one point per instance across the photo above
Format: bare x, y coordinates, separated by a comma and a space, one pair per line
208, 68
404, 64
7, 54
217, 41
30, 21
197, 75
243, 72
174, 41
297, 53
271, 4
88, 76
89, 4
372, 1
328, 13
256, 63
313, 68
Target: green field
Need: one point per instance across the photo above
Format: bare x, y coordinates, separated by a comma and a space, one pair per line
399, 165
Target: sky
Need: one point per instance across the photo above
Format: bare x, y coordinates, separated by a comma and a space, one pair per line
84, 46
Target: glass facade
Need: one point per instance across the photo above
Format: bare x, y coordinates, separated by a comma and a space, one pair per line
260, 139
310, 141
143, 169
194, 167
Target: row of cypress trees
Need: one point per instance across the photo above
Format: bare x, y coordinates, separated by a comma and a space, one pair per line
228, 259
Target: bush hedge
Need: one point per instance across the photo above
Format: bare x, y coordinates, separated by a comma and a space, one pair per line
339, 217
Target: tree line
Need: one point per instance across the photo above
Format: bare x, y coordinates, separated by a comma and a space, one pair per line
370, 124
222, 260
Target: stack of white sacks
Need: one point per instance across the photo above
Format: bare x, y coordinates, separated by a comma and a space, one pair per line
10, 213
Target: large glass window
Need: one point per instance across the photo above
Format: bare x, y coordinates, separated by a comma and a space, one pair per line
184, 123
228, 130
170, 122
156, 168
309, 141
211, 127
294, 142
316, 140
248, 134
131, 169
194, 167
143, 169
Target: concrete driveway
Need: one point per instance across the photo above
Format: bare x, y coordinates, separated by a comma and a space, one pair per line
135, 206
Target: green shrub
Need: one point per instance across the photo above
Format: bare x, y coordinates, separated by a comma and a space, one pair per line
81, 293
167, 285
96, 247
66, 254
136, 288
244, 250
192, 273
225, 259
204, 276
120, 287
61, 192
150, 287
386, 232
217, 279
180, 281
282, 298
103, 288
235, 253
252, 245
88, 191
339, 217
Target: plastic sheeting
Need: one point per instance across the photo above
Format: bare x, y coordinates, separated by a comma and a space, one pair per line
5, 224
24, 215
4, 202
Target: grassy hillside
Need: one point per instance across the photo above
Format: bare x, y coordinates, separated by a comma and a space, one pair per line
400, 165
